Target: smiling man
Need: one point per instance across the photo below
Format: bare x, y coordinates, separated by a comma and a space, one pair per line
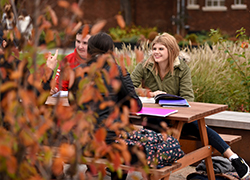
74, 59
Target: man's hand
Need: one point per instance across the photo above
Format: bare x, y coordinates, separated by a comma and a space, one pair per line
52, 60
53, 91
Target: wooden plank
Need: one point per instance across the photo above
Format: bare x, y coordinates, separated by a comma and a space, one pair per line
229, 119
230, 139
194, 156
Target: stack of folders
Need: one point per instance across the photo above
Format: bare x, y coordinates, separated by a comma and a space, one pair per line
166, 100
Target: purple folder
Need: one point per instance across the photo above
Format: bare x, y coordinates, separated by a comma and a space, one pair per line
156, 111
174, 102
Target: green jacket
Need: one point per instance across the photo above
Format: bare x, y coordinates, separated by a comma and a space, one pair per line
180, 83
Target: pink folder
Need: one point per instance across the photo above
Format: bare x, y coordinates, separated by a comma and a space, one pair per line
156, 111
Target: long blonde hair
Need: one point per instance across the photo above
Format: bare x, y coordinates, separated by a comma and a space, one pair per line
173, 51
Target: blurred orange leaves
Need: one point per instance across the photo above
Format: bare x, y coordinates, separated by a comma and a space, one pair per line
63, 4
11, 164
100, 134
120, 21
57, 166
76, 10
67, 152
98, 27
53, 16
139, 55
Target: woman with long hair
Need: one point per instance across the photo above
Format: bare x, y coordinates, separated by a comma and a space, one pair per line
165, 71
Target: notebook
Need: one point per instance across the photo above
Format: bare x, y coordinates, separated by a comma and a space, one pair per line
156, 111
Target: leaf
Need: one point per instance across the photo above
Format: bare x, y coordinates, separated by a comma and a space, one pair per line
85, 31
139, 55
120, 21
48, 155
76, 28
57, 166
49, 35
65, 22
113, 72
67, 151
68, 125
126, 156
63, 4
53, 16
17, 33
8, 85
26, 139
45, 25
11, 165
100, 134
43, 129
3, 72
16, 75
133, 106
42, 98
106, 76
93, 169
128, 60
76, 10
125, 115
98, 27
116, 85
5, 151
117, 161
58, 39
105, 104
86, 95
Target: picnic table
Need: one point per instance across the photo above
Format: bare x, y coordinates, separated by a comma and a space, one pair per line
197, 112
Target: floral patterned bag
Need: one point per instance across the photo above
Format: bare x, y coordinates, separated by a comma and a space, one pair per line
159, 152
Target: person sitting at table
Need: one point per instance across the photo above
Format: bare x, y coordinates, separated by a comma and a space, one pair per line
101, 46
165, 71
74, 59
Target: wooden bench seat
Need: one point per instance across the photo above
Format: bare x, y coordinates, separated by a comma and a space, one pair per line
228, 138
153, 173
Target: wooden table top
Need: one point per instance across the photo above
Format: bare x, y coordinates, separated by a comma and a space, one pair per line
196, 111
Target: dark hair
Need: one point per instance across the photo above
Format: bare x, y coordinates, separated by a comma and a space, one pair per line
82, 27
100, 43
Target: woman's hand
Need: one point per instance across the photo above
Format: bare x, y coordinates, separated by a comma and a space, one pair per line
155, 93
52, 60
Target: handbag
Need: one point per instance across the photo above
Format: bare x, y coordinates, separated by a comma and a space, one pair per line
159, 152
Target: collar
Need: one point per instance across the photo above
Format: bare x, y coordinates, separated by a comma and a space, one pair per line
177, 64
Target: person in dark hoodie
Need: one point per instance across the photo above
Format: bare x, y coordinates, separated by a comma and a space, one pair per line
101, 46
100, 59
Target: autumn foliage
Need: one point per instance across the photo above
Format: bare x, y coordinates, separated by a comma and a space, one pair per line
37, 139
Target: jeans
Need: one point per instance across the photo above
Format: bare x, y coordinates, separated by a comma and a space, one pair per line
193, 129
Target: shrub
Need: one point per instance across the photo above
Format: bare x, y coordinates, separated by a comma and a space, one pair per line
130, 34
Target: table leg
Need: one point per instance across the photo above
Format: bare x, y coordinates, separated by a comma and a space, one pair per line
178, 125
204, 140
